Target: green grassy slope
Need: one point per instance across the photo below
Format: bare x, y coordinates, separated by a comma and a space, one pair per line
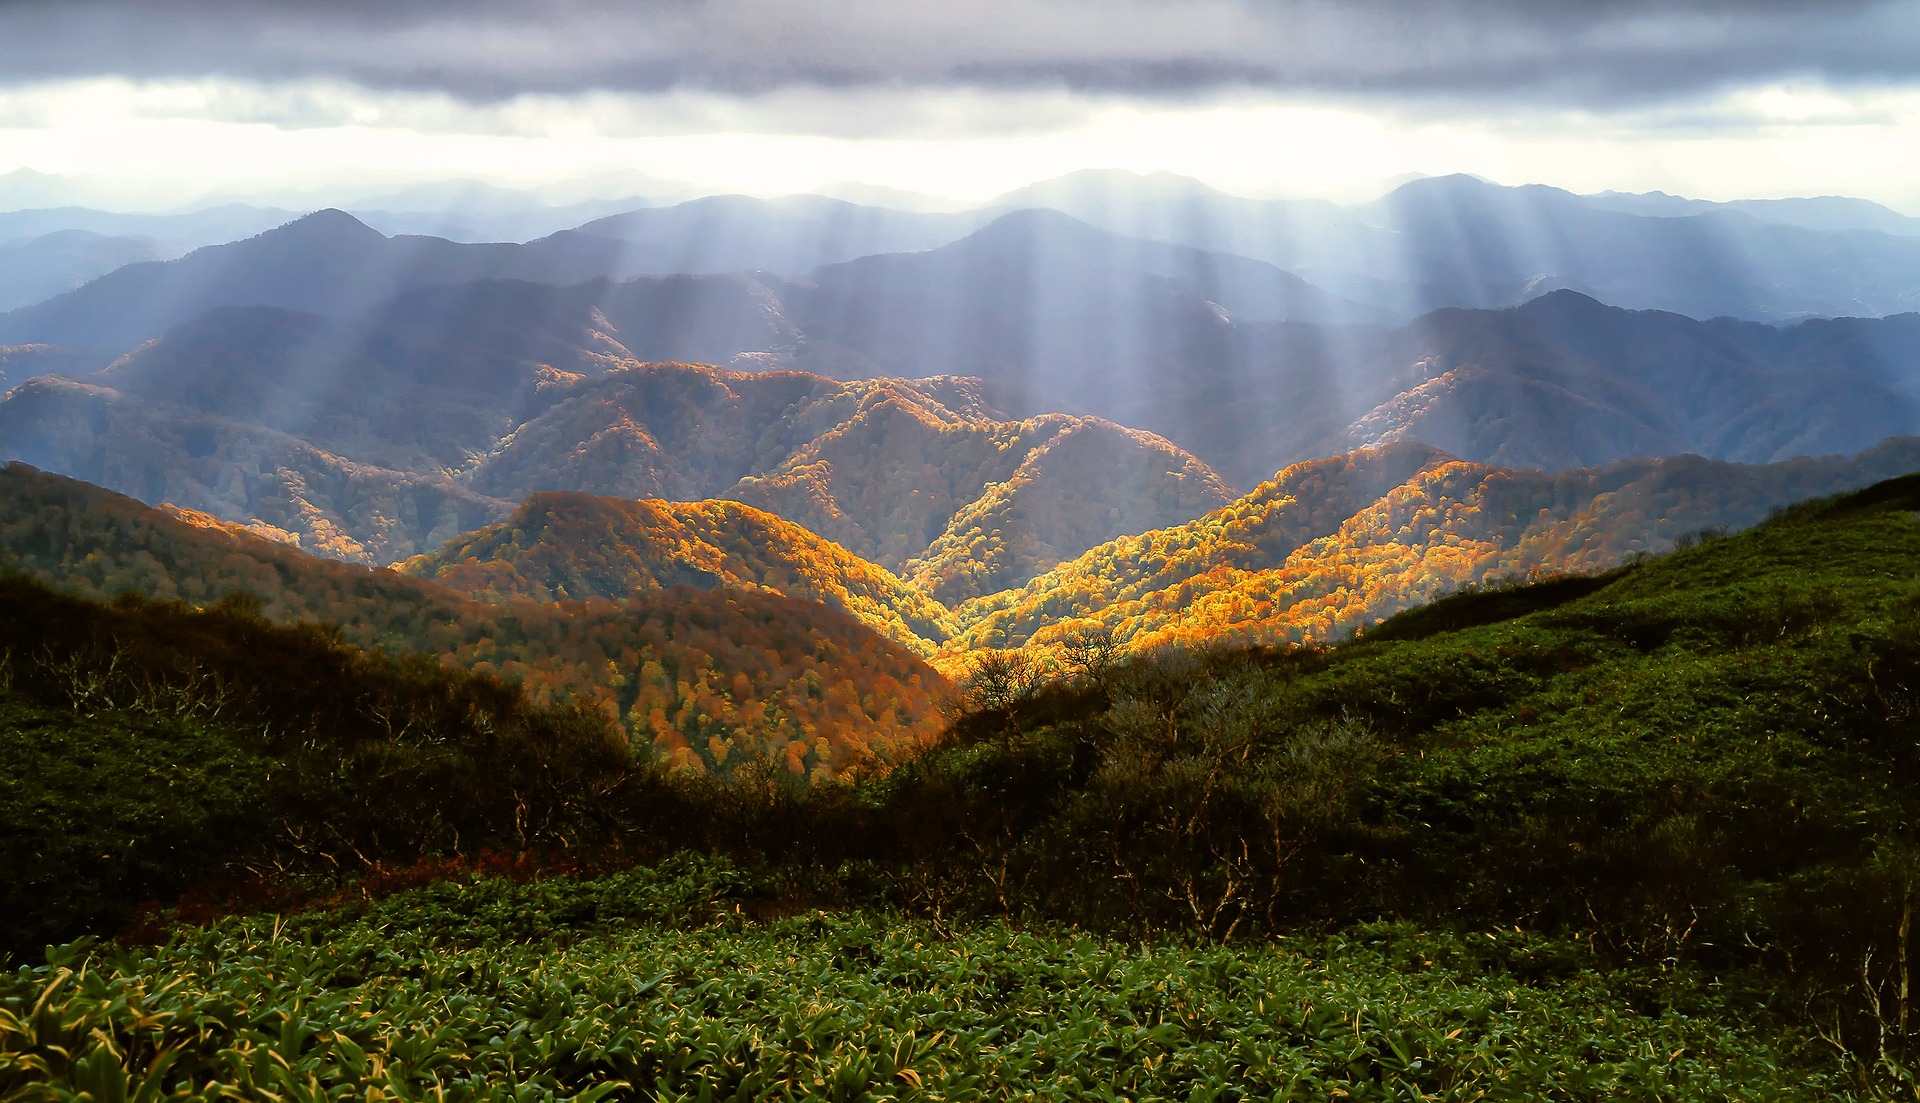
1711, 757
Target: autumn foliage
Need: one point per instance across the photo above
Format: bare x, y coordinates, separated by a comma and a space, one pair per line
704, 679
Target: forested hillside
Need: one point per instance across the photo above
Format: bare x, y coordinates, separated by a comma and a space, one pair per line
559, 546
703, 679
1328, 548
1703, 758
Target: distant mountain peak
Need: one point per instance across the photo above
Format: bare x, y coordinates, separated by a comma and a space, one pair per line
1107, 186
1040, 216
1457, 181
330, 222
1564, 298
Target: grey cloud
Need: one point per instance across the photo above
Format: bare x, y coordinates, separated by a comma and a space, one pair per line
1590, 52
805, 109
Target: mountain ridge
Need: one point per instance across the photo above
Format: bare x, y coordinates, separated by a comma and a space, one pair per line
1329, 547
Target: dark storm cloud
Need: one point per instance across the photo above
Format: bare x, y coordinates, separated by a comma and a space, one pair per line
1591, 51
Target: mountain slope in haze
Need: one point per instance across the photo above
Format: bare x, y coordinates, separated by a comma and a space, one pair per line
1331, 546
41, 267
19, 363
1565, 381
324, 263
401, 441
1562, 381
176, 233
439, 379
275, 484
559, 546
1042, 294
1249, 397
1331, 246
443, 374
1820, 212
1460, 241
703, 679
1150, 336
1493, 244
331, 263
790, 236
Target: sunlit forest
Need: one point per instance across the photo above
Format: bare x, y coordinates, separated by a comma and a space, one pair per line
700, 677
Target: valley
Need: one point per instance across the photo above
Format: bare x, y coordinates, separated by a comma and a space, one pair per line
1482, 614
1070, 418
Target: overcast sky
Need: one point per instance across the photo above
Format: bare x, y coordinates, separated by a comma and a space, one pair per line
159, 100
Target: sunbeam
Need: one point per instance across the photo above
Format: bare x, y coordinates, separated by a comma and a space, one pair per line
1120, 549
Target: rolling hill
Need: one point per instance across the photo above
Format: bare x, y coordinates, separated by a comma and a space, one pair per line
1329, 547
701, 678
567, 546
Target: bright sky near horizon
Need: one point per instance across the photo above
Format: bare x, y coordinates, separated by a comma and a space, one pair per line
1706, 98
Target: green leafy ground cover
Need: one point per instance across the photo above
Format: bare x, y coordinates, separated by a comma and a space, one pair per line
648, 985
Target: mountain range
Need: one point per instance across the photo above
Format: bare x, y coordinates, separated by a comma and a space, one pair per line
1323, 550
1330, 547
920, 476
978, 430
552, 593
1460, 241
1431, 243
1126, 332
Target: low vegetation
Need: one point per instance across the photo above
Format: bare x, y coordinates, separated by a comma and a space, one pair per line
651, 984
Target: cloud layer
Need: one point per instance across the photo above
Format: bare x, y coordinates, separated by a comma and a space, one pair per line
1577, 52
